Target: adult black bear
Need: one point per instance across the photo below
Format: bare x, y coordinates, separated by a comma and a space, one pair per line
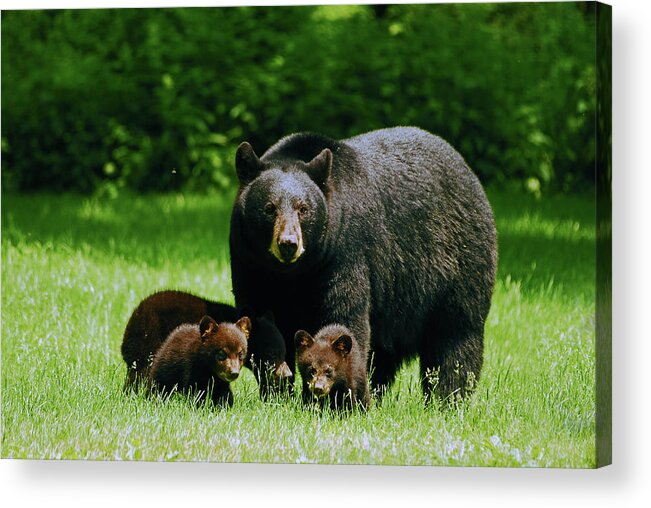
388, 233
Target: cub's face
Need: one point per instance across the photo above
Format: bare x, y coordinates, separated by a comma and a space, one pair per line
321, 361
283, 205
319, 377
225, 345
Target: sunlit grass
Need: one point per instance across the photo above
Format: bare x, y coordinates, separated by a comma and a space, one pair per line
73, 269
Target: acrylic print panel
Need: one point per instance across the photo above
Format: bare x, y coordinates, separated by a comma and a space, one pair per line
120, 172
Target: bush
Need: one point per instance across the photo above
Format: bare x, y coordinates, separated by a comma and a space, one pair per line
158, 99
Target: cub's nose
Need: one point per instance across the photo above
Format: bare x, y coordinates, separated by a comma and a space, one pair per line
288, 246
319, 389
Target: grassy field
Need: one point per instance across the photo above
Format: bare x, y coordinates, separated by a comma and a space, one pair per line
73, 269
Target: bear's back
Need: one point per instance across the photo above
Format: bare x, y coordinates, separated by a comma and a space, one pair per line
176, 357
407, 158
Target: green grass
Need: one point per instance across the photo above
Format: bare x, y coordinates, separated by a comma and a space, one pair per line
73, 269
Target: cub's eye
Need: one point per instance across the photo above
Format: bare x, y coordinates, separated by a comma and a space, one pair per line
329, 371
303, 210
270, 209
311, 371
242, 355
221, 355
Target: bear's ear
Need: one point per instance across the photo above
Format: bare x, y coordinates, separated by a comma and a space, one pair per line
269, 316
303, 340
207, 326
320, 167
244, 324
343, 344
247, 164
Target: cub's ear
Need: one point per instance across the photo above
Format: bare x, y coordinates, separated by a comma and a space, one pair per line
244, 324
343, 344
320, 168
247, 164
269, 316
303, 340
207, 326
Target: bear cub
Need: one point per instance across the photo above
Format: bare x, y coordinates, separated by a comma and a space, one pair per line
159, 314
199, 358
332, 366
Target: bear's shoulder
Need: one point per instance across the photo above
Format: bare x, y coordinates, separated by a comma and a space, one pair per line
302, 146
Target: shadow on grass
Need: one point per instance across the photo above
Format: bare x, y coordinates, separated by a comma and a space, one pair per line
546, 242
143, 229
541, 242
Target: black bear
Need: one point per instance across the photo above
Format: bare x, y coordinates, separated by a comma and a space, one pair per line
388, 233
157, 315
201, 359
333, 367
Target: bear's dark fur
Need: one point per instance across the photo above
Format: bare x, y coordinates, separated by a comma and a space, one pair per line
266, 356
201, 359
157, 315
388, 233
333, 367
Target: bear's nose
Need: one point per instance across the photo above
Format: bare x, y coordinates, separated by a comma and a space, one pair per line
319, 389
288, 245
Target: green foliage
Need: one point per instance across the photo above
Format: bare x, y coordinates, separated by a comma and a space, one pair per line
73, 269
158, 99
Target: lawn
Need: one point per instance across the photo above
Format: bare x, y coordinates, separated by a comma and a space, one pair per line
73, 269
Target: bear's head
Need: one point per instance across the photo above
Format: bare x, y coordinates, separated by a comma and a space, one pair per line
323, 360
224, 346
283, 204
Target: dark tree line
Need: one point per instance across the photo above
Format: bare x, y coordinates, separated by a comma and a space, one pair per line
158, 99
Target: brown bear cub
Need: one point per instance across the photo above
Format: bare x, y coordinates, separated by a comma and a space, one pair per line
201, 359
159, 314
332, 366
154, 319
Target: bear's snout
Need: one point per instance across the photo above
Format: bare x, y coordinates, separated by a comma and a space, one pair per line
231, 375
288, 245
232, 371
320, 388
287, 242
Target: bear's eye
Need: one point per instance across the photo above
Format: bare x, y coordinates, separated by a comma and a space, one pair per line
311, 371
270, 209
221, 355
242, 354
303, 210
329, 371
